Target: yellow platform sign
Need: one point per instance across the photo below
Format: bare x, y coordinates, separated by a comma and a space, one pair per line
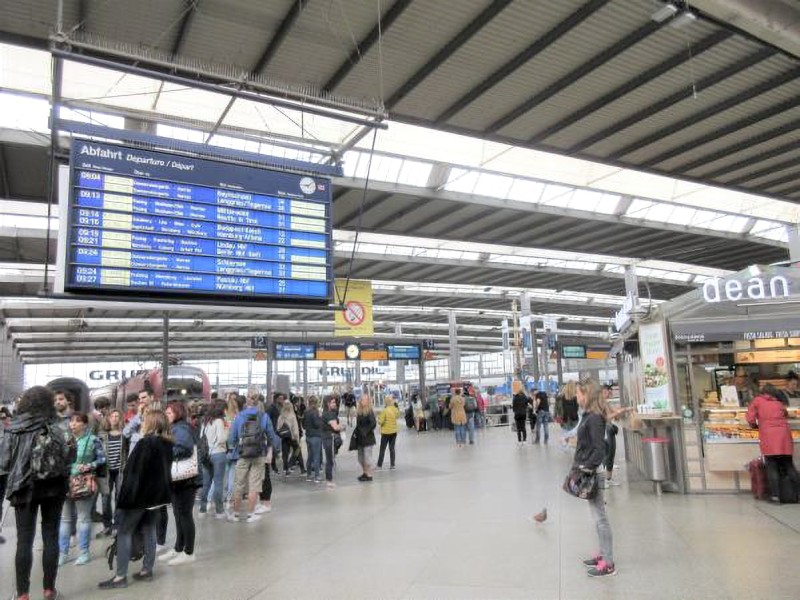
355, 319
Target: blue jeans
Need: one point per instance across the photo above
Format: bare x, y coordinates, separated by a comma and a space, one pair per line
461, 433
84, 508
542, 421
471, 416
215, 474
129, 520
229, 479
314, 461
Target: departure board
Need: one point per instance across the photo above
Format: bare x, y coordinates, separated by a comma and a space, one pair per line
295, 351
159, 224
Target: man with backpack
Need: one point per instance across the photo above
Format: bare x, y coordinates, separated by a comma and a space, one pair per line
250, 435
471, 408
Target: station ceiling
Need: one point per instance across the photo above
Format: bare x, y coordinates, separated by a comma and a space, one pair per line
605, 80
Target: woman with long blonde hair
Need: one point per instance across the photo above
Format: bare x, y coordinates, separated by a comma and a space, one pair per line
363, 438
145, 487
589, 454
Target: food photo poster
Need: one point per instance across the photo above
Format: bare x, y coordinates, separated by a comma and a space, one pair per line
655, 358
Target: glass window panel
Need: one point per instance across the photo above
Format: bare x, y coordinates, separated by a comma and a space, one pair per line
526, 190
461, 180
415, 173
552, 191
638, 208
493, 185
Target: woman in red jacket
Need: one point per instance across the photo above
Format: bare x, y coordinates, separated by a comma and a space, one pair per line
769, 414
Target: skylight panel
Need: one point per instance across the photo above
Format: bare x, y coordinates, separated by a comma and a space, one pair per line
683, 215
639, 208
493, 185
385, 168
770, 230
27, 114
552, 191
462, 180
414, 173
526, 190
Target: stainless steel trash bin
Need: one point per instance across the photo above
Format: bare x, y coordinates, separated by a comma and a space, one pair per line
655, 460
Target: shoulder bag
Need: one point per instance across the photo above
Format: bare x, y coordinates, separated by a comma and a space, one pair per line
82, 485
581, 483
186, 468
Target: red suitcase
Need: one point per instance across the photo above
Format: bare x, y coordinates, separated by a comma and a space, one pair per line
758, 479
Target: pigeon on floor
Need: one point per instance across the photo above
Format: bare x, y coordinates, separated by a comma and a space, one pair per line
541, 517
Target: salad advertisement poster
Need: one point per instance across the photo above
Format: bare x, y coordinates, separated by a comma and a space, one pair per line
653, 348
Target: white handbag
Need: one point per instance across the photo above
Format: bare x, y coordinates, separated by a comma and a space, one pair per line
186, 468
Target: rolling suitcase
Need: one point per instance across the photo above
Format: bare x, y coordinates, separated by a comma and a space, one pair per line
758, 478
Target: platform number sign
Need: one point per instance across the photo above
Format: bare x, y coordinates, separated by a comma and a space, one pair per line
259, 342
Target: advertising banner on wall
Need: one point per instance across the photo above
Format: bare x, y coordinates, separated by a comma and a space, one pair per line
655, 365
355, 318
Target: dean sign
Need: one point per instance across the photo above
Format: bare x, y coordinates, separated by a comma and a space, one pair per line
755, 288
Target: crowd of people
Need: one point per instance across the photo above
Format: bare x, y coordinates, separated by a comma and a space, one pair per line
61, 463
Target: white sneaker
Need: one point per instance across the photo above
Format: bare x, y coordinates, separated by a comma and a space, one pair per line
252, 518
263, 508
160, 548
220, 516
181, 559
168, 556
232, 517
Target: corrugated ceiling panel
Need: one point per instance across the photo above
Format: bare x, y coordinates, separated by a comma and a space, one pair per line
233, 31
322, 39
732, 87
738, 145
640, 58
152, 23
687, 136
578, 46
765, 164
413, 39
35, 17
679, 79
511, 31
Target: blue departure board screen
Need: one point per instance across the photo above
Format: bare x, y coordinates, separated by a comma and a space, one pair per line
295, 351
403, 352
150, 223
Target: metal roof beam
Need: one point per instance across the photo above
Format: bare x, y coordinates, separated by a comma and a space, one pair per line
718, 133
280, 35
757, 158
537, 47
189, 11
629, 86
567, 80
495, 204
673, 99
5, 188
709, 112
406, 209
760, 138
780, 181
364, 46
376, 201
463, 36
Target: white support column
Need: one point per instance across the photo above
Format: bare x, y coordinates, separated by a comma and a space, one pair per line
455, 353
794, 243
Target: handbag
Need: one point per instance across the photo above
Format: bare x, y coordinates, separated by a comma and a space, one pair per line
82, 486
284, 432
581, 484
185, 468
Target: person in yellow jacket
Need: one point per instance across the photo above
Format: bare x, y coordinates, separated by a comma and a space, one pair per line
458, 416
388, 423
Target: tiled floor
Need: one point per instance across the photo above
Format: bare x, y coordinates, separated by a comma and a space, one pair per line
453, 523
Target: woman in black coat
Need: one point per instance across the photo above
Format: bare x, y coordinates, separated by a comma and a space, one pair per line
183, 492
363, 438
30, 493
145, 488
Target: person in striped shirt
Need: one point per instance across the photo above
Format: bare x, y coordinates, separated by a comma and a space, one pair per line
112, 439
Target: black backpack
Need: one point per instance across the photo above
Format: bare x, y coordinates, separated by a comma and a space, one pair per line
251, 437
203, 451
53, 452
